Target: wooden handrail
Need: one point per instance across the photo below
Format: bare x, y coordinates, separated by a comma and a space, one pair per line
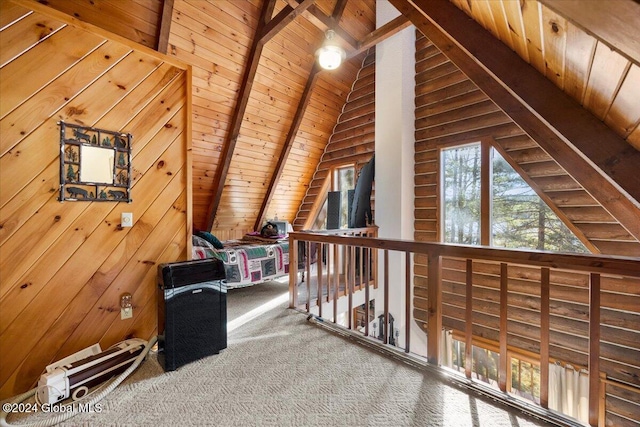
603, 264
593, 271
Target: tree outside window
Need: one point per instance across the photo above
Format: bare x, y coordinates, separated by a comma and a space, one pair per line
461, 191
519, 217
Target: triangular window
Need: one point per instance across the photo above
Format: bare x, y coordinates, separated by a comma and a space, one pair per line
514, 215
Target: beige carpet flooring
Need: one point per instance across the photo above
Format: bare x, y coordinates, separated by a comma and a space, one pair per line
281, 370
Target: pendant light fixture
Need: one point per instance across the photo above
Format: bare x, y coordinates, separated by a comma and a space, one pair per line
330, 55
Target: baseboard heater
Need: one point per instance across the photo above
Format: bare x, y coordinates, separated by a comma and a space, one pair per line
192, 311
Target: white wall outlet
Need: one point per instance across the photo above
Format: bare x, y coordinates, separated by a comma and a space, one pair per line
126, 307
126, 313
126, 219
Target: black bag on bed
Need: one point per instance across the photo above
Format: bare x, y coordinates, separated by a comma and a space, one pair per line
269, 230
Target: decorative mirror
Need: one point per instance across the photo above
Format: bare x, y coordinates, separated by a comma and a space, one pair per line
95, 164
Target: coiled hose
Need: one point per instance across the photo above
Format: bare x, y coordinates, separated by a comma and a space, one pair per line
64, 415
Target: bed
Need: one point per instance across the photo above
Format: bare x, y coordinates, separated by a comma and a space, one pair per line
247, 262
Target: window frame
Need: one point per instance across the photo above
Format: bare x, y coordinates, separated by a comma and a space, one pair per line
486, 191
331, 183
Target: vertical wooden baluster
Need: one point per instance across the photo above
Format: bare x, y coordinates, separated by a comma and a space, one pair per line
336, 283
602, 399
360, 264
434, 320
504, 358
544, 337
325, 253
366, 253
319, 273
328, 272
468, 327
385, 336
307, 255
293, 273
594, 349
407, 300
350, 275
485, 193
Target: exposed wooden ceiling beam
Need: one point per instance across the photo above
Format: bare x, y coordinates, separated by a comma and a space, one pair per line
338, 10
286, 15
324, 22
295, 126
549, 116
263, 35
387, 30
164, 27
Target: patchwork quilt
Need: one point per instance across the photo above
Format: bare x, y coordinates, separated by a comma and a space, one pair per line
245, 263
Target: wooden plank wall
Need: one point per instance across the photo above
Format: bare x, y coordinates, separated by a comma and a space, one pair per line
136, 20
451, 109
215, 38
215, 43
594, 67
275, 96
65, 265
352, 141
318, 126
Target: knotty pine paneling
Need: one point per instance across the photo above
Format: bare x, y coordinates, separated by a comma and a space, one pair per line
578, 60
135, 21
623, 114
308, 148
281, 101
347, 145
65, 265
215, 40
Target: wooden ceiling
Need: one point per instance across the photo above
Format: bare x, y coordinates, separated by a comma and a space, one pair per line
592, 53
263, 113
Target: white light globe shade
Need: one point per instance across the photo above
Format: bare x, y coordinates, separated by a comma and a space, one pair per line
330, 57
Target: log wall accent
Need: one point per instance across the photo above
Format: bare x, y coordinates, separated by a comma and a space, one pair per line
65, 265
450, 109
352, 142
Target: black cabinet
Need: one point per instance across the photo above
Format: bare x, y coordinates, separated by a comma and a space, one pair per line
192, 311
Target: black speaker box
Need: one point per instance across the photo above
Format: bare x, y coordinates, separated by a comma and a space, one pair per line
333, 210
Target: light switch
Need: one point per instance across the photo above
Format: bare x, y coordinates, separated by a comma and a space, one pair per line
126, 219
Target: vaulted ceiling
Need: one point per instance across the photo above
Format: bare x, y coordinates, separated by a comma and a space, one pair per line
263, 112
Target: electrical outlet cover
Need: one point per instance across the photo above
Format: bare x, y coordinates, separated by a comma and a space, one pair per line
126, 313
126, 219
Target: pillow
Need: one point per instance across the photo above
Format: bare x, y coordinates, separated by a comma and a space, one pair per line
211, 239
200, 242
